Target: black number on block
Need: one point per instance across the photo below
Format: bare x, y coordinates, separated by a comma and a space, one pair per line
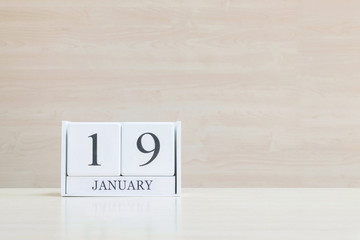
155, 150
94, 150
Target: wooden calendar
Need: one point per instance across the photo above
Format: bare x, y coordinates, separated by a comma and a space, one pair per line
121, 159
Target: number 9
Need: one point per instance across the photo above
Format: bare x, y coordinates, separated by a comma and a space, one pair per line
155, 150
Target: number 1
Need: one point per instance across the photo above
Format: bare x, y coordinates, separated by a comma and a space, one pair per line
94, 150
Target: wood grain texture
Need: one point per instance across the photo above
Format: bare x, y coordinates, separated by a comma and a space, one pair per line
268, 91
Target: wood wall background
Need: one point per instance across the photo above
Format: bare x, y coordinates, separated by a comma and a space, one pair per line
268, 91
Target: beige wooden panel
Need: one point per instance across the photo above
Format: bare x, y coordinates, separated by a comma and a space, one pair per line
268, 91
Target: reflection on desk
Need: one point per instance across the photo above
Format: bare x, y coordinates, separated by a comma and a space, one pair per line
89, 216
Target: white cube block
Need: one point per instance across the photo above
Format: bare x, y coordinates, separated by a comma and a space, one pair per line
148, 149
93, 149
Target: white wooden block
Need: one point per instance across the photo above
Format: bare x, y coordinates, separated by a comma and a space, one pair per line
178, 157
155, 146
148, 149
121, 186
93, 149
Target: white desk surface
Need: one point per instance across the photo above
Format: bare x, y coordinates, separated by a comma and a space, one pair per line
203, 213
